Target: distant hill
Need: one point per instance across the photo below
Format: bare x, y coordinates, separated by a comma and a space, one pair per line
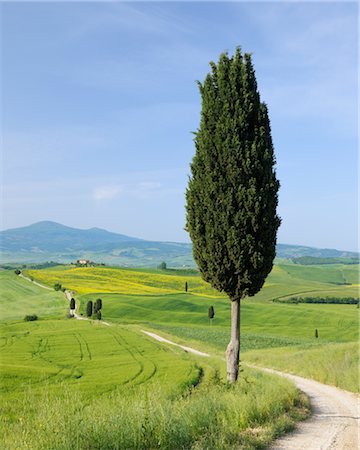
297, 251
51, 241
53, 237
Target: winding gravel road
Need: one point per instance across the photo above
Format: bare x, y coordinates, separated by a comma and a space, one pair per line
334, 424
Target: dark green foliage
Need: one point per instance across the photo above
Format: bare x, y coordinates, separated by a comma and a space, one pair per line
328, 300
232, 194
89, 308
72, 303
98, 304
17, 271
98, 315
57, 287
316, 333
211, 312
186, 286
162, 266
30, 318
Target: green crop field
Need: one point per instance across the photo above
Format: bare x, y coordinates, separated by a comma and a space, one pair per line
19, 297
284, 280
157, 299
81, 384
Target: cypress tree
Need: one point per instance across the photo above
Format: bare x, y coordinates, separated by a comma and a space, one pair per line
72, 303
231, 197
89, 308
186, 286
211, 313
98, 304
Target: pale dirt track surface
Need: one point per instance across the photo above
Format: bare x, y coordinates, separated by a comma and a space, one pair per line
35, 282
334, 424
187, 349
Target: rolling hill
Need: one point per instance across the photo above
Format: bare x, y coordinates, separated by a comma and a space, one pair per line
51, 241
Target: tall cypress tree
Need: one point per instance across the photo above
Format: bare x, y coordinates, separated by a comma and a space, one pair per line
72, 303
232, 193
89, 308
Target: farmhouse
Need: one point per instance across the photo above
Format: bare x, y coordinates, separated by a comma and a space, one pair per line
83, 262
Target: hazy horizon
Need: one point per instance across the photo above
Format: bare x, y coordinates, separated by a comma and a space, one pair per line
100, 99
161, 240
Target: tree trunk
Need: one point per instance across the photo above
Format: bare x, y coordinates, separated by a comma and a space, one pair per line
233, 349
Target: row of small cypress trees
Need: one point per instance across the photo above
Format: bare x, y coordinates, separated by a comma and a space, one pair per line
94, 309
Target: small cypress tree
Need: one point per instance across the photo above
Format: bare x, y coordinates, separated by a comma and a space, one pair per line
211, 313
98, 304
89, 308
231, 198
316, 333
57, 287
186, 286
72, 303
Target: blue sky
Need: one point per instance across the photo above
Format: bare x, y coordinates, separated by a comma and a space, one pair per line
100, 99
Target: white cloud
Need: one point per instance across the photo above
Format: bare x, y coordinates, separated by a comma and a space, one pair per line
106, 192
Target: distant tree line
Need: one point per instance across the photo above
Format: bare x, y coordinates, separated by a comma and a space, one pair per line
328, 300
30, 266
313, 260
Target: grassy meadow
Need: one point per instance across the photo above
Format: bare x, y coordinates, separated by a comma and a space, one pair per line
266, 326
81, 384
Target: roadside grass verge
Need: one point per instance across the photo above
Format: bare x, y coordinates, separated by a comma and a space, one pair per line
334, 364
212, 416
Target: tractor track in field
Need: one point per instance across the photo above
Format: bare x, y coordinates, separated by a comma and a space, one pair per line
139, 358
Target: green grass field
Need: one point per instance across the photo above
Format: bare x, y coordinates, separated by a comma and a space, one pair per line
157, 299
81, 384
19, 297
284, 280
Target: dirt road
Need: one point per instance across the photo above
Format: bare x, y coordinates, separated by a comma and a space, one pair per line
187, 349
35, 282
334, 424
